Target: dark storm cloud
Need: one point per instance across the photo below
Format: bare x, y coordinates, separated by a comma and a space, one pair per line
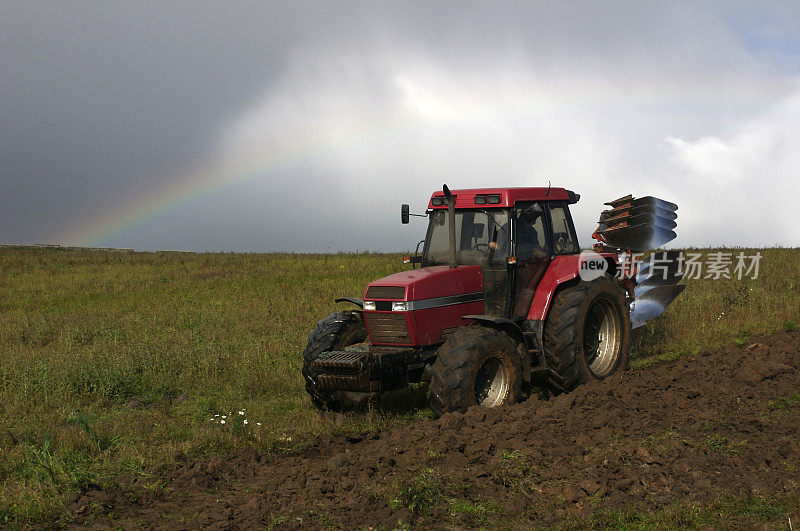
111, 104
101, 99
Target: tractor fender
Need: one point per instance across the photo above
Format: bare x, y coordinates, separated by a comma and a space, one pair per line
357, 302
512, 329
562, 269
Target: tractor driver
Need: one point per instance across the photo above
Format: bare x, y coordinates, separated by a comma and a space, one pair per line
529, 244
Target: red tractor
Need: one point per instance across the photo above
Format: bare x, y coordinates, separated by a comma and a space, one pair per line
503, 296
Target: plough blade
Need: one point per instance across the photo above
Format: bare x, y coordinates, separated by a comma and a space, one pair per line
652, 303
655, 282
629, 201
659, 269
638, 219
635, 211
637, 224
664, 264
638, 237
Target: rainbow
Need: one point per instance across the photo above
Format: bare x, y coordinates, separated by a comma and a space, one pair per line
193, 184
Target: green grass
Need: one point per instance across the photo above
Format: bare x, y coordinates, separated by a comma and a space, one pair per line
428, 491
112, 363
729, 512
711, 312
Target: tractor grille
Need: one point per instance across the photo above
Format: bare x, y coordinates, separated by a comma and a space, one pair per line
388, 328
385, 292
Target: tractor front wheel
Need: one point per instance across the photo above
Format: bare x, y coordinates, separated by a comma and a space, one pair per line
475, 366
587, 333
335, 332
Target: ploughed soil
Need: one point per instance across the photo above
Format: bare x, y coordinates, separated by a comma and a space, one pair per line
680, 436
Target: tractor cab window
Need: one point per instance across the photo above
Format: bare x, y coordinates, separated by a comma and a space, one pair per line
482, 238
530, 238
564, 240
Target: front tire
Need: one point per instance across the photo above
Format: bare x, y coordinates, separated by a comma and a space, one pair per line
587, 334
336, 332
475, 366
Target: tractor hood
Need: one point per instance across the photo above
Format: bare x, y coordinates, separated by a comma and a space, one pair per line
435, 299
427, 283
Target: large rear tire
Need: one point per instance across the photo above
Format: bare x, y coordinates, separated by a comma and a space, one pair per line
587, 333
475, 366
335, 332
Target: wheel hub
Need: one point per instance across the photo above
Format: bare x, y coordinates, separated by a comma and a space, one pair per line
601, 337
491, 383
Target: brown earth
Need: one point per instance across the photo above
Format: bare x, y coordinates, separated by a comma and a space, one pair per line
720, 425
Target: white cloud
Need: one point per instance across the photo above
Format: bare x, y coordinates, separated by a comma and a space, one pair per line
370, 127
742, 187
391, 128
712, 159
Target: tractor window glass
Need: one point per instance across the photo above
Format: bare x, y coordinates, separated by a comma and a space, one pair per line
564, 240
530, 235
482, 237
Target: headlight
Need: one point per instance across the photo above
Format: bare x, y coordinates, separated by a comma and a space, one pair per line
399, 306
369, 306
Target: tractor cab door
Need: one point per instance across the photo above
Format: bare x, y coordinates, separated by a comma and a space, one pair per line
532, 249
541, 231
492, 240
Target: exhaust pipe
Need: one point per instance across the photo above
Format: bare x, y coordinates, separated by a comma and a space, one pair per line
451, 223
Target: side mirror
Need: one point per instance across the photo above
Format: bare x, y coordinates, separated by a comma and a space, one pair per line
404, 214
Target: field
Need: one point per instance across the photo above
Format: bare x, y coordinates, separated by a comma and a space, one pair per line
112, 365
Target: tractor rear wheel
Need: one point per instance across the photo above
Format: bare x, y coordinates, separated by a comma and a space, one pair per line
587, 334
475, 366
335, 332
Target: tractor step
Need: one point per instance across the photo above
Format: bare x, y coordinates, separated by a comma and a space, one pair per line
549, 379
341, 361
343, 370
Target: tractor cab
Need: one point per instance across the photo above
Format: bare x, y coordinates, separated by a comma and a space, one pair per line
512, 234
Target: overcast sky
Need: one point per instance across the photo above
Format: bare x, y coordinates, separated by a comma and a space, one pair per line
302, 126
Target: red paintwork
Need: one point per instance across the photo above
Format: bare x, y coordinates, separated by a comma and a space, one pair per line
562, 268
508, 196
425, 326
436, 281
430, 323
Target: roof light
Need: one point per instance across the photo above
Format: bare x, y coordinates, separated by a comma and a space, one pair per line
437, 201
480, 199
494, 199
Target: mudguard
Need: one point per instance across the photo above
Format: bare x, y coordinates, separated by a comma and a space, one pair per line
357, 302
512, 329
